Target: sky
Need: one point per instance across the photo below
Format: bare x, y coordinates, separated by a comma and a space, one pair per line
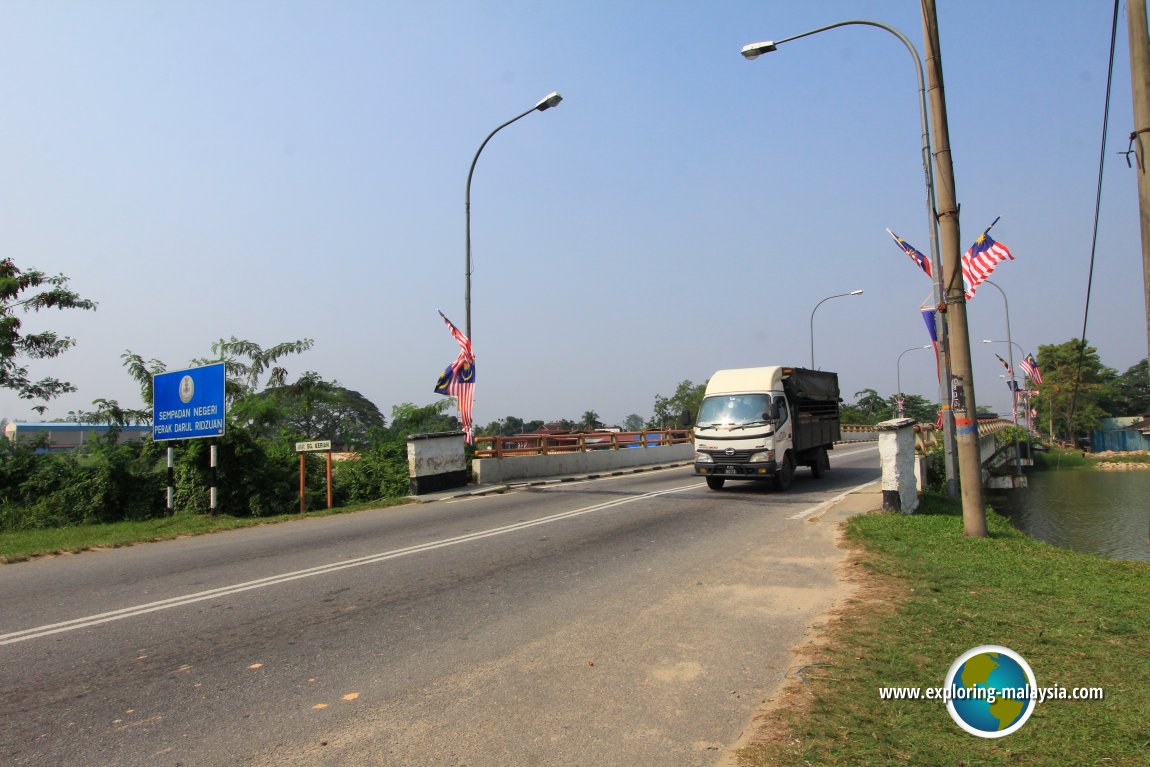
276, 170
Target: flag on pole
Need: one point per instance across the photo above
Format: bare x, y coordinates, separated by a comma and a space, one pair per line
458, 378
929, 314
922, 261
1005, 364
979, 262
1030, 366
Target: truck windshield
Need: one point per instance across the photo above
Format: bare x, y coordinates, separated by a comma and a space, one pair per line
731, 410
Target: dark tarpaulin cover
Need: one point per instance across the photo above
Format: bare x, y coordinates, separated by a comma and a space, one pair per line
818, 385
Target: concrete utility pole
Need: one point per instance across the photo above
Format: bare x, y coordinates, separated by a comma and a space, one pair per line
962, 375
1140, 85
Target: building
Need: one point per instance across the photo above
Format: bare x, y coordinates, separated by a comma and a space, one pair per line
69, 436
1122, 435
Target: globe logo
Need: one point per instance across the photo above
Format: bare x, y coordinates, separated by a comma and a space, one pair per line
991, 691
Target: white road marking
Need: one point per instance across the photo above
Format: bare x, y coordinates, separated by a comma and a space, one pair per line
832, 501
165, 604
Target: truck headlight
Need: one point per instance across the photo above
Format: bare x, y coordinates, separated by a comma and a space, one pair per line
762, 456
703, 458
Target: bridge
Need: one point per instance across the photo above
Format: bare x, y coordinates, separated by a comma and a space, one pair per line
502, 459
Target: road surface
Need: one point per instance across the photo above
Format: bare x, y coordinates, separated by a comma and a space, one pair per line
635, 620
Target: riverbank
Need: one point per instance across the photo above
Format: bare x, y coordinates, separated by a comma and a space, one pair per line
925, 594
1138, 460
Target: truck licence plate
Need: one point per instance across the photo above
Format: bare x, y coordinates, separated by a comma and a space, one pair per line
730, 470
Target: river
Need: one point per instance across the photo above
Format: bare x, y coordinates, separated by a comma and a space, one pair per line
1095, 511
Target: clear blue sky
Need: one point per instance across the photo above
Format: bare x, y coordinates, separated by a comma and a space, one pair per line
281, 169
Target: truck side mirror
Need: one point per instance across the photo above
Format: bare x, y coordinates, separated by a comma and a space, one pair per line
685, 418
772, 413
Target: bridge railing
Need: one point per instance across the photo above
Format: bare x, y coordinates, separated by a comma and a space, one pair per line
926, 436
555, 444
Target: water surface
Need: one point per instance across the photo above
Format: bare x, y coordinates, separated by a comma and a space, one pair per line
1096, 511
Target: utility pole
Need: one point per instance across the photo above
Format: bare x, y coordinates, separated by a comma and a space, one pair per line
1140, 137
954, 299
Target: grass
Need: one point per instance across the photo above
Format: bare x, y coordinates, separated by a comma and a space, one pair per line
24, 544
926, 594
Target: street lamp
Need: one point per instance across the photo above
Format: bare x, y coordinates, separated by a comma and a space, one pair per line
1013, 345
898, 375
820, 303
753, 51
545, 103
1013, 385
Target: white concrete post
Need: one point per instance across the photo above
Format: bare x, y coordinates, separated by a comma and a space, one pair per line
436, 461
896, 454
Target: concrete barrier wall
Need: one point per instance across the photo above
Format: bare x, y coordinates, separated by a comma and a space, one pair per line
496, 471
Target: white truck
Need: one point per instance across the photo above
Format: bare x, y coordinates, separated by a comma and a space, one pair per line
760, 423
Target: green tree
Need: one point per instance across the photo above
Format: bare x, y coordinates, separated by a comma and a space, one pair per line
590, 421
1129, 393
872, 408
633, 422
1071, 394
915, 406
245, 365
409, 419
312, 408
669, 411
20, 291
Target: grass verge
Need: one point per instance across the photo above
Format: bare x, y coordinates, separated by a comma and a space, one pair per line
926, 595
25, 544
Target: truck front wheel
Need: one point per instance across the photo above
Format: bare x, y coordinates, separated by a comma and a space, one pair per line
715, 483
785, 473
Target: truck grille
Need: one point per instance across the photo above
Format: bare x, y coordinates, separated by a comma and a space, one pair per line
739, 456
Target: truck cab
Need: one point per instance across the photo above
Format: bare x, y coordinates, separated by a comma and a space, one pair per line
760, 423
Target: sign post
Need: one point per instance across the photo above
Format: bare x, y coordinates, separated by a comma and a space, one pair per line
315, 446
189, 404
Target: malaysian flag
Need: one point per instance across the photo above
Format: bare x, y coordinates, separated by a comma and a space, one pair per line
922, 261
458, 378
1030, 367
979, 262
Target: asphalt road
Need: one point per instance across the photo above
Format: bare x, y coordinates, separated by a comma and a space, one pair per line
636, 620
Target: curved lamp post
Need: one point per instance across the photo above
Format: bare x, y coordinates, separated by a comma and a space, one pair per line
753, 51
820, 303
898, 375
1013, 383
548, 101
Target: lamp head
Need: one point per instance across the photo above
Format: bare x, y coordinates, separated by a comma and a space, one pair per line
548, 101
856, 293
754, 50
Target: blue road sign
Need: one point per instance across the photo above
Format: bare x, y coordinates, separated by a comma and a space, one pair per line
188, 404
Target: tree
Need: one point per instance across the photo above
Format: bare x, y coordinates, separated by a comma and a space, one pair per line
109, 412
18, 291
872, 408
590, 421
1070, 396
312, 408
669, 410
633, 422
409, 419
914, 406
245, 363
1129, 393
